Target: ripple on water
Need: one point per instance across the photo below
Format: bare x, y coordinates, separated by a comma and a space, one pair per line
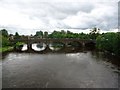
58, 70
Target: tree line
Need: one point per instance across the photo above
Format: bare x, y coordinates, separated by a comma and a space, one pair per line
105, 41
68, 34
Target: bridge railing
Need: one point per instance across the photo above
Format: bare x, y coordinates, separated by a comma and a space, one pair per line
47, 38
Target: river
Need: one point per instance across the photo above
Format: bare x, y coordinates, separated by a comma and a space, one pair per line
82, 69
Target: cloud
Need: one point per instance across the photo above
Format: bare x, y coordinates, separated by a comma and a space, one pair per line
102, 16
28, 16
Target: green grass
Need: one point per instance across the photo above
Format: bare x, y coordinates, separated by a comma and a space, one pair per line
4, 49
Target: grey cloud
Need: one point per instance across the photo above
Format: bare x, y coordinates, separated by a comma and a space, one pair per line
56, 10
72, 8
46, 12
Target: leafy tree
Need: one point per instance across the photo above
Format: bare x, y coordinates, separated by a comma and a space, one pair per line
17, 36
4, 41
4, 32
94, 33
45, 34
39, 34
68, 32
109, 42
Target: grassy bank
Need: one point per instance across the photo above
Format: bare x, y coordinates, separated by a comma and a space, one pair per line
5, 49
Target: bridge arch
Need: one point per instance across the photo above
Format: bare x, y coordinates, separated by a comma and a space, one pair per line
90, 44
56, 45
38, 46
18, 46
74, 44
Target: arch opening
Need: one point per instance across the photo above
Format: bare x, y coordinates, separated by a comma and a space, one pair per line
20, 46
90, 45
74, 44
55, 46
38, 46
24, 48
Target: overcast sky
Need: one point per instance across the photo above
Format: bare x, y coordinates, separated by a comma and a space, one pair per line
29, 16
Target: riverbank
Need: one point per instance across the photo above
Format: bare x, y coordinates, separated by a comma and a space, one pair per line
5, 49
108, 53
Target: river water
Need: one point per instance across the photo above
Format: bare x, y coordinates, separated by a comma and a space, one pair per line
82, 69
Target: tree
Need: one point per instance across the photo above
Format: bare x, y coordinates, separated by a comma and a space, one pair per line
68, 32
45, 34
4, 32
4, 41
39, 34
94, 33
17, 36
109, 42
95, 30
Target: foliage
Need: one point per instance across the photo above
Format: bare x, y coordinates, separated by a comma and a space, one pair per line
17, 36
106, 41
68, 34
45, 34
4, 32
39, 34
4, 41
94, 33
19, 43
4, 49
109, 42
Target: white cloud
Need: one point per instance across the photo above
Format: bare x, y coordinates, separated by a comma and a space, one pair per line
28, 16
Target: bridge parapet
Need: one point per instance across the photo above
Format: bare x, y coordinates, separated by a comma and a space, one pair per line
52, 40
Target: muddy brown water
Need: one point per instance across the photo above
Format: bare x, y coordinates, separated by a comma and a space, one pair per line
81, 69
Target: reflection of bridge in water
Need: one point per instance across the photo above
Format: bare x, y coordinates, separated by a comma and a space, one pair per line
48, 41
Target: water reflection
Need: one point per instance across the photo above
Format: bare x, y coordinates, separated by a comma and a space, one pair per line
24, 48
106, 57
38, 46
54, 48
43, 46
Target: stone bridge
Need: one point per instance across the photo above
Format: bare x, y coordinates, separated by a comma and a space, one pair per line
47, 41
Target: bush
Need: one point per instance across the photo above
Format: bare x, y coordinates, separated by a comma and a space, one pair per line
109, 42
4, 41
